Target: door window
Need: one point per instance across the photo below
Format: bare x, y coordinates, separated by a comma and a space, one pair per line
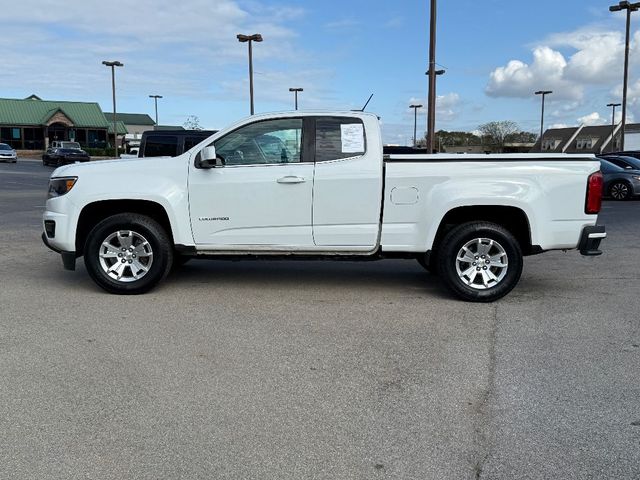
270, 141
338, 138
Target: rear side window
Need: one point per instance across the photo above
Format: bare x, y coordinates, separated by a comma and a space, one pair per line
607, 167
161, 146
338, 138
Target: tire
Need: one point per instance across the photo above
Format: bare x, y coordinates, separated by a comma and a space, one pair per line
620, 191
146, 260
44, 162
496, 277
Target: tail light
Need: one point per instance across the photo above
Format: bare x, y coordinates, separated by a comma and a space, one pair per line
595, 187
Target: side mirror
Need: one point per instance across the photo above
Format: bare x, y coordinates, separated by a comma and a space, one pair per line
209, 159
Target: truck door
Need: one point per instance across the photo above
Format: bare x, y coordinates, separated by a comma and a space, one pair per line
347, 192
262, 194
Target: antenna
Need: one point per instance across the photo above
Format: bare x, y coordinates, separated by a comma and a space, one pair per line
365, 105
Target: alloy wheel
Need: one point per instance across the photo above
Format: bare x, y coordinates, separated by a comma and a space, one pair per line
125, 256
482, 263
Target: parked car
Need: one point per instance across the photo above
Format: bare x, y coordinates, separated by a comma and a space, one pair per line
65, 144
170, 143
324, 188
623, 161
7, 153
627, 153
59, 156
619, 183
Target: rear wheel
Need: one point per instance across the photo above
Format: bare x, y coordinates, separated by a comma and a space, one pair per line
620, 191
128, 253
480, 261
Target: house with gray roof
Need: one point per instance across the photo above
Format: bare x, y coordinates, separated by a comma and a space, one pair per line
595, 139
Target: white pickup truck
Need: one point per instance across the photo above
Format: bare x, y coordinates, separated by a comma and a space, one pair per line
317, 184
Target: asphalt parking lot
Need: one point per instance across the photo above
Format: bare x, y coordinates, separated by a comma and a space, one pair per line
327, 370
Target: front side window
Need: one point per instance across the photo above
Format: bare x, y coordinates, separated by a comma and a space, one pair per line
338, 138
270, 141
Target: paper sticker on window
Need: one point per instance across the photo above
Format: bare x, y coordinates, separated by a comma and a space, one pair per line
352, 137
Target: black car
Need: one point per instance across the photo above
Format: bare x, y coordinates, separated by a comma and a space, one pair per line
61, 156
620, 183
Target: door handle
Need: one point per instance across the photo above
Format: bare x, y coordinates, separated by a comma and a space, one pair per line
291, 179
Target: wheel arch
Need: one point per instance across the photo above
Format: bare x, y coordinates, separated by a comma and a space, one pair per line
93, 213
514, 219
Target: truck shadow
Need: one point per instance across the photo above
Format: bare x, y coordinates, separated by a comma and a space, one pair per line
399, 276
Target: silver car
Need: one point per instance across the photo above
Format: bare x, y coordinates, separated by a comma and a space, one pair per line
7, 154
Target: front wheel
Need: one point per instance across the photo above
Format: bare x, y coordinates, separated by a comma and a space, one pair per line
128, 254
480, 261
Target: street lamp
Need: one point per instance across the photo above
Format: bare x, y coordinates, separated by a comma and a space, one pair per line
113, 66
544, 93
629, 7
256, 37
155, 100
295, 91
613, 121
415, 121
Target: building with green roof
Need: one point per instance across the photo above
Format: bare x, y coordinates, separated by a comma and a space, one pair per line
32, 123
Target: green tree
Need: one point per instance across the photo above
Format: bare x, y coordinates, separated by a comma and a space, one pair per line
497, 133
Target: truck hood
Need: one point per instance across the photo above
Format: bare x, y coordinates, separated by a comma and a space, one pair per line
134, 166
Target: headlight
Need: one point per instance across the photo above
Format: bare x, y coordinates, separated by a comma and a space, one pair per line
60, 186
636, 177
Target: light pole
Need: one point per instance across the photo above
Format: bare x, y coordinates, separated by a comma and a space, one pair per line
295, 91
613, 121
431, 118
155, 100
629, 7
256, 37
431, 98
415, 121
544, 93
113, 66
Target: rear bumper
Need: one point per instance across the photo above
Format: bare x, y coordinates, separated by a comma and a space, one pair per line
68, 258
590, 240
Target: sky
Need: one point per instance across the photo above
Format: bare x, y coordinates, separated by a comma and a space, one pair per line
496, 53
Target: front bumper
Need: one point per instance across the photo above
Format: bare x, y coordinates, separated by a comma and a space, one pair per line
590, 240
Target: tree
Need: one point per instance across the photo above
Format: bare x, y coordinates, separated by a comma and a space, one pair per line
522, 137
192, 123
497, 133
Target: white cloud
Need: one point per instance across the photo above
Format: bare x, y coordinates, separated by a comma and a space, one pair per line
591, 119
447, 107
342, 23
180, 49
546, 72
592, 57
559, 125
